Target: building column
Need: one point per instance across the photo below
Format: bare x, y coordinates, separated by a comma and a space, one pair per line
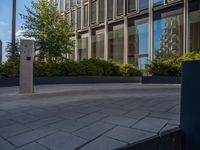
82, 14
186, 27
151, 32
106, 31
89, 43
76, 36
125, 40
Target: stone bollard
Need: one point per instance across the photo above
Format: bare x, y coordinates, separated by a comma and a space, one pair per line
26, 66
190, 105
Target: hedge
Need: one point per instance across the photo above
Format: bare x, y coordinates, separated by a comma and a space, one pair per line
87, 67
171, 66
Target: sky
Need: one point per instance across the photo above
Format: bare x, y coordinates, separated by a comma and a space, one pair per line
6, 19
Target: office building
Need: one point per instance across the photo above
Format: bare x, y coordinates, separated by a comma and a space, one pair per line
131, 31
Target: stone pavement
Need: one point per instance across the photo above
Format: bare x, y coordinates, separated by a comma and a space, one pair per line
86, 116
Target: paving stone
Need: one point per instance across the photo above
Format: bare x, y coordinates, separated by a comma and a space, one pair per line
111, 111
165, 115
174, 122
167, 128
31, 136
24, 118
163, 106
32, 146
120, 120
6, 123
72, 115
128, 135
4, 145
41, 123
12, 130
87, 110
91, 118
175, 110
68, 125
103, 143
94, 130
62, 141
150, 124
137, 114
2, 113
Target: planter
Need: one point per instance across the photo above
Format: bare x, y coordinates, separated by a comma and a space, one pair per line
161, 80
6, 82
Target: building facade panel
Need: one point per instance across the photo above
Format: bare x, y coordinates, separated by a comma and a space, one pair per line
133, 31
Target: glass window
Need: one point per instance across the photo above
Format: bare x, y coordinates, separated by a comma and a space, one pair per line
101, 10
73, 20
131, 5
72, 2
138, 43
62, 5
85, 15
79, 18
98, 46
116, 44
168, 33
82, 48
67, 4
93, 11
144, 4
194, 25
78, 1
120, 6
110, 9
157, 2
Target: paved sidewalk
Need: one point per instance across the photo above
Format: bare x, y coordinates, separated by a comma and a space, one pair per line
86, 116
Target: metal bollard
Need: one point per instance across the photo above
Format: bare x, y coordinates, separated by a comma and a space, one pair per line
190, 105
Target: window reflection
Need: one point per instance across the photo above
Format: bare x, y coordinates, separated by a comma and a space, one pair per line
194, 25
168, 33
82, 48
98, 45
138, 43
116, 44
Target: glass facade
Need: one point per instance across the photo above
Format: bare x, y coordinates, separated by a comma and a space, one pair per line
194, 25
120, 6
86, 15
101, 11
128, 31
138, 33
131, 5
93, 11
168, 33
98, 45
116, 44
82, 48
79, 18
110, 9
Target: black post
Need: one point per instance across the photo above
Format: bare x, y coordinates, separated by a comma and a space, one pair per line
190, 105
13, 28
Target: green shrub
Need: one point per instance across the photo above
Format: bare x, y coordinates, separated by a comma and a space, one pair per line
171, 66
129, 70
87, 67
9, 70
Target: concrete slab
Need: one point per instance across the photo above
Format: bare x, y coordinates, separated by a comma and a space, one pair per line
86, 116
62, 141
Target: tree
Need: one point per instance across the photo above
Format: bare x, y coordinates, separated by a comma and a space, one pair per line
51, 30
9, 51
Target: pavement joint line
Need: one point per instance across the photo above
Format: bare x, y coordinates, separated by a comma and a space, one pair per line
36, 140
96, 137
43, 145
8, 141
